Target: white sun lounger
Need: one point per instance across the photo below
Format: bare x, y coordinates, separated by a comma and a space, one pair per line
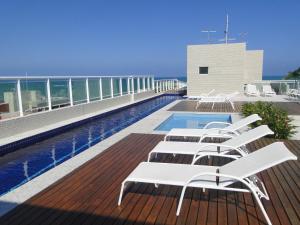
199, 149
293, 93
251, 90
242, 170
198, 97
218, 99
268, 91
230, 129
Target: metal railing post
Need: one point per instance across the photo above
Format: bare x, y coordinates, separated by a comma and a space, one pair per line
121, 88
87, 90
70, 92
152, 79
20, 97
128, 85
49, 95
148, 84
100, 88
111, 87
138, 85
132, 93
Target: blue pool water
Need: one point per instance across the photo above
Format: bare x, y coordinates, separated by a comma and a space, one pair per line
191, 120
26, 163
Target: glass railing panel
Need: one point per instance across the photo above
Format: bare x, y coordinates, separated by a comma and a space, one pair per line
59, 93
150, 83
146, 83
124, 86
141, 84
79, 91
116, 86
131, 86
8, 99
135, 84
34, 95
106, 93
94, 89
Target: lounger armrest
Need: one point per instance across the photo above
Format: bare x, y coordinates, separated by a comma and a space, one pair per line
217, 145
225, 134
215, 122
200, 153
218, 175
252, 186
208, 154
230, 131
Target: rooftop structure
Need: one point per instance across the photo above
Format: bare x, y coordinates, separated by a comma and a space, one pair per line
224, 67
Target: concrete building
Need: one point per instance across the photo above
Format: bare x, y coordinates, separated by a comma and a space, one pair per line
224, 67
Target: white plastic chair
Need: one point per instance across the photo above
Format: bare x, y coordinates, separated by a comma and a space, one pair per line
251, 90
268, 91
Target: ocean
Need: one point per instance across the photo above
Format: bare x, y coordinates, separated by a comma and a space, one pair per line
265, 77
273, 77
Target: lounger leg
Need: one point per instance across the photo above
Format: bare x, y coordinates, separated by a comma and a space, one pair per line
262, 208
232, 105
149, 157
121, 193
180, 200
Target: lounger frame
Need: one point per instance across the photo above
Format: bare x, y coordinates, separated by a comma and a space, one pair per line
251, 183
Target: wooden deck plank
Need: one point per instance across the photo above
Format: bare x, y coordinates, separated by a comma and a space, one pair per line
89, 194
292, 108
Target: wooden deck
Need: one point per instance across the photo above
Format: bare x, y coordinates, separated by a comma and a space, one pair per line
293, 108
89, 194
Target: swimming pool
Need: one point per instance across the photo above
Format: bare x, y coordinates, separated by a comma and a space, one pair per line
191, 120
19, 167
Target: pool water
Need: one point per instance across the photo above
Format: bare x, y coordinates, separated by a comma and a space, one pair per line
192, 120
19, 167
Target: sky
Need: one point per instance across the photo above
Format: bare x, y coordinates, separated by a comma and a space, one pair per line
95, 37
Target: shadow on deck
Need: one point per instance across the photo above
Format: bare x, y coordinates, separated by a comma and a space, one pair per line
89, 194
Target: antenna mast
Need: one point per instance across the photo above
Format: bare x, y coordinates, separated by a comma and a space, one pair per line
226, 30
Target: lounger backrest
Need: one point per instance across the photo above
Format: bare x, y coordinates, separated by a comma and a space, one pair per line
258, 161
251, 88
249, 136
267, 88
209, 93
244, 122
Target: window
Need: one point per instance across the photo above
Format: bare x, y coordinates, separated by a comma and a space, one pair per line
203, 70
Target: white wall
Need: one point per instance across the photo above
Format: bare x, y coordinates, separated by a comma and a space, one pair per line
254, 65
21, 125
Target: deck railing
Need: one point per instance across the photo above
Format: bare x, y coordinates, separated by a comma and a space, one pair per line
281, 87
168, 84
24, 95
